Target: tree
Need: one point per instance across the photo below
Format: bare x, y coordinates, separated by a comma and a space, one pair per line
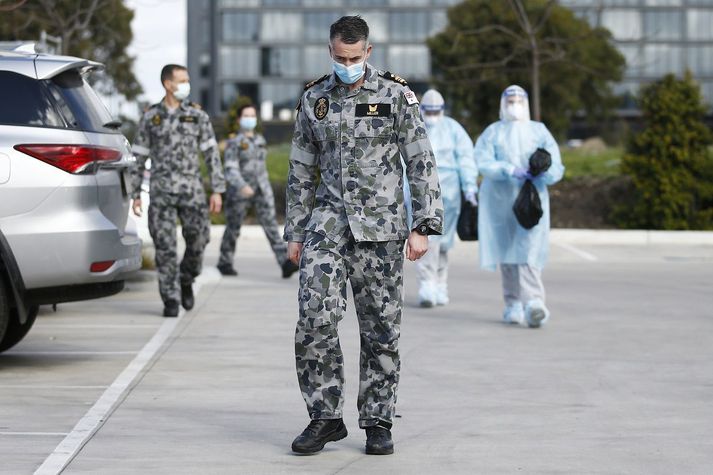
670, 163
563, 62
96, 29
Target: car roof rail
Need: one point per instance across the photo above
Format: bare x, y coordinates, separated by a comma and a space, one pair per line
19, 46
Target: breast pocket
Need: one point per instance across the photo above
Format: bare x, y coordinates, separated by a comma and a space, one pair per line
325, 132
372, 136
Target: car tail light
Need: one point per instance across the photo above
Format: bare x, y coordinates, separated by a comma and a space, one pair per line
70, 158
100, 266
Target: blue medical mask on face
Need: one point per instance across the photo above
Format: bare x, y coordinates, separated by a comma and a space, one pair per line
248, 123
350, 74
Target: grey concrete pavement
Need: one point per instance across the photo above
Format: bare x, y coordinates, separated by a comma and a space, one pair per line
620, 381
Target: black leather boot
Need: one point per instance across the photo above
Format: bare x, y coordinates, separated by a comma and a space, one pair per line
187, 299
318, 433
170, 308
378, 441
227, 269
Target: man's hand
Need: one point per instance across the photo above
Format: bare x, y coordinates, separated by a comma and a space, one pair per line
137, 207
294, 251
416, 246
247, 191
215, 203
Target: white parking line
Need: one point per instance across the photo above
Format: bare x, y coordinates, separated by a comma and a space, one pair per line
70, 352
34, 434
113, 396
29, 386
583, 254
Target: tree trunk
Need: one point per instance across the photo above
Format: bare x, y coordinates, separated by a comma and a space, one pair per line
535, 73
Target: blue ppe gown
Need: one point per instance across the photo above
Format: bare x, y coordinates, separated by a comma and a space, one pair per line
504, 146
457, 171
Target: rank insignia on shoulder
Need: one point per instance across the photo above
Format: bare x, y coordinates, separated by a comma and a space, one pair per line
411, 98
321, 107
156, 120
316, 81
196, 105
395, 78
187, 119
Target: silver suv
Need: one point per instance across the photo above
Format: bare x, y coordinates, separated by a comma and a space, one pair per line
63, 191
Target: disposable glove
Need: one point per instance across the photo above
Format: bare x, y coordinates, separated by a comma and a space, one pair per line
521, 174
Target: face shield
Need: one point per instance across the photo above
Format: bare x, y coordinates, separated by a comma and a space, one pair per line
432, 107
514, 104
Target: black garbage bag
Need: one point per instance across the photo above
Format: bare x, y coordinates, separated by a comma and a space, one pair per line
540, 162
467, 221
528, 207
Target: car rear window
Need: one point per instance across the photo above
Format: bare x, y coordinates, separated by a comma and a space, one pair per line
25, 102
79, 104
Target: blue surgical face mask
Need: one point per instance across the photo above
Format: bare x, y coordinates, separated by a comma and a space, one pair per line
350, 74
248, 123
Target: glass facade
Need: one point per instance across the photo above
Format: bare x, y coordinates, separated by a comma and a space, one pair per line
268, 49
656, 37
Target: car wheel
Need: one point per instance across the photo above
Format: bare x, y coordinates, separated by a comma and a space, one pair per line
4, 309
15, 330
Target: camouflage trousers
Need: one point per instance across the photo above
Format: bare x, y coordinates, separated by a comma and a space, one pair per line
236, 207
164, 211
375, 271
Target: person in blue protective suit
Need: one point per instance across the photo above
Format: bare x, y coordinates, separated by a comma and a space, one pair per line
502, 153
457, 171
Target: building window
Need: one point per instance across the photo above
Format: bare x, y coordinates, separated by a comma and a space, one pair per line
238, 3
281, 61
439, 22
378, 24
278, 26
409, 61
663, 25
281, 3
322, 3
624, 24
662, 59
317, 62
239, 61
238, 26
409, 3
700, 60
378, 57
663, 3
365, 3
408, 26
700, 24
634, 60
231, 91
316, 25
284, 95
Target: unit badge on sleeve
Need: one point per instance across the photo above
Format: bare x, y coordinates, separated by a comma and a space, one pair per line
321, 107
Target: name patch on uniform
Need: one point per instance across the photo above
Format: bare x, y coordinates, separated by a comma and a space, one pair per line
410, 97
187, 118
321, 107
373, 110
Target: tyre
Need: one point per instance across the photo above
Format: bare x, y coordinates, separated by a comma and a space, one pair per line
15, 331
5, 315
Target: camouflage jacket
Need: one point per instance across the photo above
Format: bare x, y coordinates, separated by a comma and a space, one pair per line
354, 141
174, 141
244, 160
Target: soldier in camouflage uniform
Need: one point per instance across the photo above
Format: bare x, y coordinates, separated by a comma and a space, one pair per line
353, 129
248, 186
173, 133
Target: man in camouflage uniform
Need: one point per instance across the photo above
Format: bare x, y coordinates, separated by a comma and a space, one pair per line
173, 133
353, 129
248, 186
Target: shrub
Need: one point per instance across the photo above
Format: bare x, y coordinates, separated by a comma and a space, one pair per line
669, 161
